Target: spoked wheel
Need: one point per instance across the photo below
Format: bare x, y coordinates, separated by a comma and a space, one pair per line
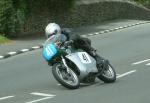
68, 79
109, 74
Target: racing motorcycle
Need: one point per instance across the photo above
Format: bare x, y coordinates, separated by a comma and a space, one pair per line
70, 67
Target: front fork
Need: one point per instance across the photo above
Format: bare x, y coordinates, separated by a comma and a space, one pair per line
65, 64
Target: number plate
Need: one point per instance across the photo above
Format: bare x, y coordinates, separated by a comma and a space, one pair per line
84, 57
49, 51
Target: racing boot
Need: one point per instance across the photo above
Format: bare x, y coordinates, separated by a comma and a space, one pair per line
101, 63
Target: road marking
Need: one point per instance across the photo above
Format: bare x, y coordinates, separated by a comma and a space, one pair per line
43, 94
120, 27
127, 73
39, 100
6, 97
46, 96
141, 62
117, 74
111, 29
148, 64
96, 33
1, 57
12, 53
25, 50
125, 26
89, 34
35, 47
102, 32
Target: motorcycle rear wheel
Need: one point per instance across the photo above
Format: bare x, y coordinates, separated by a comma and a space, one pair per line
69, 80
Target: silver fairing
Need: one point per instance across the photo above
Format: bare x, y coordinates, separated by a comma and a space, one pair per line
85, 63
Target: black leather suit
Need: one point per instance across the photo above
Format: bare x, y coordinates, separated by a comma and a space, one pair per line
85, 44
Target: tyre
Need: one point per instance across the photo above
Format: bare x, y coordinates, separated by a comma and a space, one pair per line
69, 80
109, 75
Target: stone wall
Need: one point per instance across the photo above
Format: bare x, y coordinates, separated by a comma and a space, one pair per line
83, 13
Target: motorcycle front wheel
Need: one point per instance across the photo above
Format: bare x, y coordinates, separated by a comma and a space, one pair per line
69, 79
108, 75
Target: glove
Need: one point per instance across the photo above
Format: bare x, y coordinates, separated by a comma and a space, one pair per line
57, 44
92, 51
67, 43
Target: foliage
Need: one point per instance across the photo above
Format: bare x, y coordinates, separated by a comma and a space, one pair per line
13, 13
144, 2
7, 17
3, 39
12, 16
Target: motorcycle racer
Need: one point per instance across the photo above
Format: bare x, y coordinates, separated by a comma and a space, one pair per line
77, 41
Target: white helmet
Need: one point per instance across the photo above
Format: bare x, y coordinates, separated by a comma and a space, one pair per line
52, 29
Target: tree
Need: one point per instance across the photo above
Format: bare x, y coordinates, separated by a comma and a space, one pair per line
7, 17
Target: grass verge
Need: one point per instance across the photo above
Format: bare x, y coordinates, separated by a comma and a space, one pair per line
3, 39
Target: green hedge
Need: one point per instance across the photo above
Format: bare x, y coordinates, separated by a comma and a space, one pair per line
10, 18
6, 14
13, 13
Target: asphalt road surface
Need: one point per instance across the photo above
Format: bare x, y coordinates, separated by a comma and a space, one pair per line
26, 78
